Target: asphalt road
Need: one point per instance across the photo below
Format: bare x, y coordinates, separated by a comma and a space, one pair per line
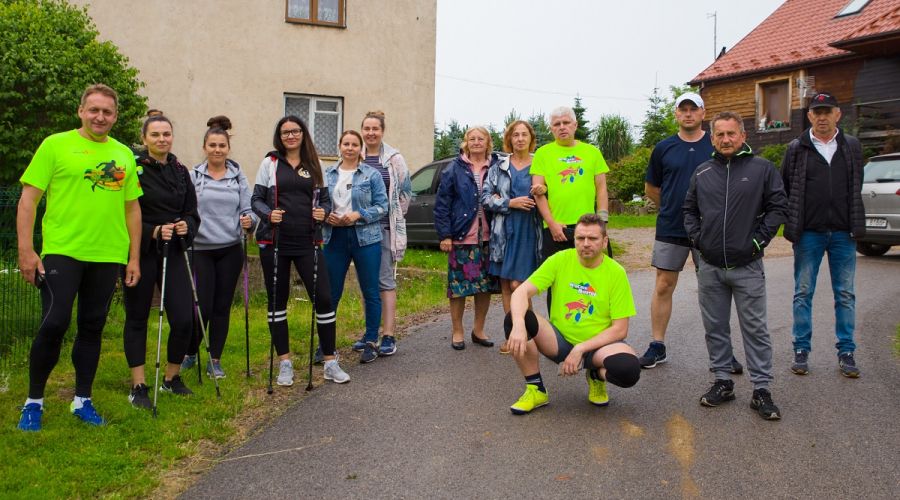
431, 422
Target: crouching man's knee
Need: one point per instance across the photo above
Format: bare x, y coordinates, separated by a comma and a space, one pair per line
622, 369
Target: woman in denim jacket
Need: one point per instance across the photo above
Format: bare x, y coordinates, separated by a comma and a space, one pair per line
353, 232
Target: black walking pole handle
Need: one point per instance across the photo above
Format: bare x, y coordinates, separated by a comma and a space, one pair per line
318, 238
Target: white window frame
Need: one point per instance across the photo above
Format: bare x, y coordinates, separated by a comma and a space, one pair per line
311, 118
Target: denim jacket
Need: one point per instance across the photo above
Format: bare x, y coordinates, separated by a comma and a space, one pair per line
367, 196
456, 204
495, 198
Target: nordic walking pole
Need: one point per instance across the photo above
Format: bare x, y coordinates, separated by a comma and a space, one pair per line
196, 332
317, 240
272, 307
162, 308
246, 301
187, 262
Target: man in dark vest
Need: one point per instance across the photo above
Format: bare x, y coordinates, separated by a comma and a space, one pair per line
822, 172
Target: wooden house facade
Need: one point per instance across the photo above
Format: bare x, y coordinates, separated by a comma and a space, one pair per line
849, 48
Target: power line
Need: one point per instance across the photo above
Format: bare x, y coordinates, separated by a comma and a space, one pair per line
540, 91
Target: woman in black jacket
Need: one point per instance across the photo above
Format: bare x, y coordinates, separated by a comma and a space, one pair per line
291, 200
169, 223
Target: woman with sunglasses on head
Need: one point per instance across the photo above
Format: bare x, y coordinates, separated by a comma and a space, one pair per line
292, 202
223, 201
169, 221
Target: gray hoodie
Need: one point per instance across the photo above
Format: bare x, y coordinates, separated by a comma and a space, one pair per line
220, 204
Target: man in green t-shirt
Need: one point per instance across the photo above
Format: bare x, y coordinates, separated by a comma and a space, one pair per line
573, 174
588, 321
91, 227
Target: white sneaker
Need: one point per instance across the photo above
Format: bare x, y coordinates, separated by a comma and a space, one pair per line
285, 373
334, 373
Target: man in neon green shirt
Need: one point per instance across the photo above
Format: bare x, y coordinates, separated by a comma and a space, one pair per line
574, 176
588, 321
92, 226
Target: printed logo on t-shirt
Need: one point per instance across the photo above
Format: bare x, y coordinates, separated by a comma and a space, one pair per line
106, 175
578, 309
569, 174
583, 288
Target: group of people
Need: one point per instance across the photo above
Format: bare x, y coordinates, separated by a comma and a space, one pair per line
184, 232
519, 223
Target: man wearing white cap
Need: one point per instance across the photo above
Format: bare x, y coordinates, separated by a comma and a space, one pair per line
672, 163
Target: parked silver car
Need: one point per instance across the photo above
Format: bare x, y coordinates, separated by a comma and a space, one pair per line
881, 196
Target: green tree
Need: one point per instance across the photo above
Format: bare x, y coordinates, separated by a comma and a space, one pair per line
511, 117
50, 53
446, 142
659, 121
614, 137
583, 132
542, 132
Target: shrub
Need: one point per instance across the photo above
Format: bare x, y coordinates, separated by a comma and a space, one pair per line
626, 177
774, 153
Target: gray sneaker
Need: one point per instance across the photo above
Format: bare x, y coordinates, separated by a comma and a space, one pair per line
214, 369
319, 356
285, 373
334, 372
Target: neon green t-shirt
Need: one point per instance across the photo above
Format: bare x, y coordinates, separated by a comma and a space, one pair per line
569, 173
585, 301
87, 184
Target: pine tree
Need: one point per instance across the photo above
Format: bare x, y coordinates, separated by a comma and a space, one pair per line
582, 133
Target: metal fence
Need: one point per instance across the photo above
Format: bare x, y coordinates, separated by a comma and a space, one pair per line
20, 305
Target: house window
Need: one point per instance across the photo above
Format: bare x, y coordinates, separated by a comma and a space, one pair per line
323, 12
853, 7
774, 105
323, 115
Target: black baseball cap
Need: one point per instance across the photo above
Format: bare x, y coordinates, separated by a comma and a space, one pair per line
823, 100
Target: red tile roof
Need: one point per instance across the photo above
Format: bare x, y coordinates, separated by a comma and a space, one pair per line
799, 32
886, 23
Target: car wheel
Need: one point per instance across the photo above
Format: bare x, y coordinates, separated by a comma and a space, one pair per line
871, 249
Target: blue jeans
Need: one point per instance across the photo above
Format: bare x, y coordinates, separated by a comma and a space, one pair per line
340, 250
808, 253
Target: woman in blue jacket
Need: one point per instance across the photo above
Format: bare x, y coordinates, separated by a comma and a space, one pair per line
353, 232
464, 231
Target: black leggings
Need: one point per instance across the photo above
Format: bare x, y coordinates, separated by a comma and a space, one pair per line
94, 284
217, 275
325, 315
178, 306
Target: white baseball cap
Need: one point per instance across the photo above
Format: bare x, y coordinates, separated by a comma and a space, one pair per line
689, 96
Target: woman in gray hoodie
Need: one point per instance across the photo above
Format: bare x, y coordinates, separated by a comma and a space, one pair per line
223, 196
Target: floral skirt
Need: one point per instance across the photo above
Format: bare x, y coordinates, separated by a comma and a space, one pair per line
467, 272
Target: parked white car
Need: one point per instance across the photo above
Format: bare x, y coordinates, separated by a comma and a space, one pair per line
881, 197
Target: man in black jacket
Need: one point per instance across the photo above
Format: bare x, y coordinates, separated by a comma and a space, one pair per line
822, 172
732, 210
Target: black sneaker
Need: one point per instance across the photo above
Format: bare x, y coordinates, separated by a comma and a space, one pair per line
369, 354
175, 386
721, 391
763, 404
319, 356
655, 355
140, 397
848, 365
800, 365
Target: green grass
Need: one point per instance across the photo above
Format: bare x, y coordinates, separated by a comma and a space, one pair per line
622, 221
128, 457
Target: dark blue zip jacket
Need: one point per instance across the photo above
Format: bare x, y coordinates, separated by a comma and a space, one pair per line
733, 208
457, 201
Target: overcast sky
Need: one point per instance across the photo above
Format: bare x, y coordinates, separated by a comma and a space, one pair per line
530, 55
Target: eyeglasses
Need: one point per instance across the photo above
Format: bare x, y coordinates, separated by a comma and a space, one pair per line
295, 132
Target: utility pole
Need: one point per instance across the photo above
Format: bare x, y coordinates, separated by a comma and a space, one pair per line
715, 32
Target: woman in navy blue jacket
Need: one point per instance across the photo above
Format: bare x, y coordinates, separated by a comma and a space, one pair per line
464, 231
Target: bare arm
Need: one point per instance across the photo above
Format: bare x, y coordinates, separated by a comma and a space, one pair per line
518, 305
543, 206
29, 261
135, 230
652, 192
602, 193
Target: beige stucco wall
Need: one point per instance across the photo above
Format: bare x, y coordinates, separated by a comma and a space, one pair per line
201, 58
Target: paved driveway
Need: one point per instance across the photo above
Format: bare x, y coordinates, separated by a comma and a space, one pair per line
431, 422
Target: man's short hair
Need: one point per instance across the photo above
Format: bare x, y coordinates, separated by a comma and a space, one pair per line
726, 115
99, 88
562, 111
592, 220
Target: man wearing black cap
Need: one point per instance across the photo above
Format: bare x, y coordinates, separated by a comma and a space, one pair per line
822, 172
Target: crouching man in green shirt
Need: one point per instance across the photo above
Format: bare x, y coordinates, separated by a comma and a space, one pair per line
588, 320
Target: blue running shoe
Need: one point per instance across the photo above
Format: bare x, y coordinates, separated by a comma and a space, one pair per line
388, 346
87, 413
359, 345
31, 417
189, 361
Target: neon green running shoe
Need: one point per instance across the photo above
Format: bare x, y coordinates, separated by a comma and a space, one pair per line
596, 390
532, 398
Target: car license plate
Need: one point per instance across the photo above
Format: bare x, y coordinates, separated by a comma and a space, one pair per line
876, 222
